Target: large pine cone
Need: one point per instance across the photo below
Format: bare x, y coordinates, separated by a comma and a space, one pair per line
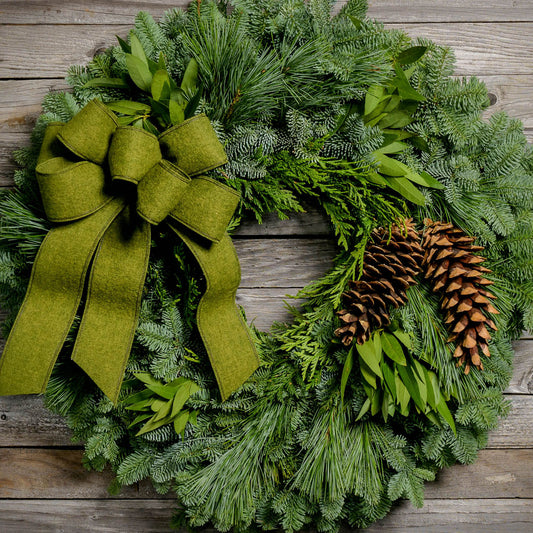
390, 264
456, 271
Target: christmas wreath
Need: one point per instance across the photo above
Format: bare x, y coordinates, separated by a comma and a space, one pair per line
394, 365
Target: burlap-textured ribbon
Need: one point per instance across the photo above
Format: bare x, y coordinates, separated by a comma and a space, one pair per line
105, 186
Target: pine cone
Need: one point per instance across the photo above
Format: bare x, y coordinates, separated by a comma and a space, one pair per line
390, 264
456, 271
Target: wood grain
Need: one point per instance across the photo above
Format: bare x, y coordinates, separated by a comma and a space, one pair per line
123, 11
482, 49
153, 516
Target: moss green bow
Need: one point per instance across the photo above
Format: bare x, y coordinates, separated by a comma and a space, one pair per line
81, 172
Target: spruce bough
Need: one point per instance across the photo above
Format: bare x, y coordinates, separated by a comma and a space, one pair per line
285, 87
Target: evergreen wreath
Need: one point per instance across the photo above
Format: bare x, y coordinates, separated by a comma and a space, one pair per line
359, 400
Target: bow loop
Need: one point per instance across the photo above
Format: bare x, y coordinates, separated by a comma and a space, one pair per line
193, 145
132, 153
160, 190
89, 132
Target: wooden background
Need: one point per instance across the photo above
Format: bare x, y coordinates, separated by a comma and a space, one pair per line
43, 486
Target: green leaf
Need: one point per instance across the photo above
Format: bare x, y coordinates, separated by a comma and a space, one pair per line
147, 378
192, 105
190, 77
373, 96
193, 418
411, 55
137, 397
182, 395
129, 107
370, 354
161, 62
402, 395
346, 371
162, 391
368, 374
404, 187
393, 103
126, 121
424, 179
442, 408
157, 404
410, 382
160, 87
153, 424
393, 349
137, 49
116, 83
148, 126
397, 119
181, 421
377, 179
399, 134
177, 112
420, 143
393, 148
164, 411
404, 338
388, 374
374, 121
385, 405
376, 402
390, 166
404, 87
140, 418
124, 45
139, 72
142, 405
364, 409
358, 23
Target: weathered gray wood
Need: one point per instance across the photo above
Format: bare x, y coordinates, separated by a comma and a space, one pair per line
52, 473
56, 473
123, 11
86, 516
495, 474
111, 516
484, 49
283, 263
25, 422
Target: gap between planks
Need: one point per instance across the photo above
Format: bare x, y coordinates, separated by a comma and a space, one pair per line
123, 11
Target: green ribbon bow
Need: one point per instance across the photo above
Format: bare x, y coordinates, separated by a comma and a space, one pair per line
101, 229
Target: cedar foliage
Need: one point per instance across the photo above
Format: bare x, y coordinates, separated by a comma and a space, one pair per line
272, 442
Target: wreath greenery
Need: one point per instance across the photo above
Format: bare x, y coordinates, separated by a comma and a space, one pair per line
371, 129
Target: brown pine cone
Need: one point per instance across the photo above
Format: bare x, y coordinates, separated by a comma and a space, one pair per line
390, 264
455, 270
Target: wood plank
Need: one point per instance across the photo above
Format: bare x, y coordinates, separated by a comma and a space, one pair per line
283, 263
52, 473
123, 11
481, 48
25, 422
106, 516
495, 474
56, 473
86, 516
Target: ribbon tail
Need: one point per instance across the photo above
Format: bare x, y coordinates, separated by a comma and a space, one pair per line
225, 334
114, 295
52, 299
